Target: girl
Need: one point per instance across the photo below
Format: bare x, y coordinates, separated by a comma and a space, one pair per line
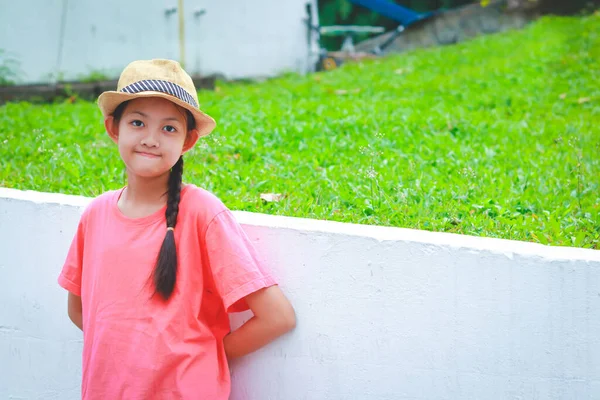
155, 267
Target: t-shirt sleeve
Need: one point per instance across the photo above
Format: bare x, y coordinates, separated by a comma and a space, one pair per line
233, 260
70, 276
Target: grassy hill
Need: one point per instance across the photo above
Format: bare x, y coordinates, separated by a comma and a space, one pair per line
495, 137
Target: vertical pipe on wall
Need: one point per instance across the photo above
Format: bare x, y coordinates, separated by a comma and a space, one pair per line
61, 40
181, 34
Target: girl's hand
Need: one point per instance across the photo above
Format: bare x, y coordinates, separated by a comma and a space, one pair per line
273, 316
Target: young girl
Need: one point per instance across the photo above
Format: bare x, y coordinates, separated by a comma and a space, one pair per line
155, 268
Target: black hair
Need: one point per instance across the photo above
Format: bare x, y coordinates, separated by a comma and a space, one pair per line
165, 270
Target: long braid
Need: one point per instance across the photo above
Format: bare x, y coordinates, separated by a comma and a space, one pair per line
174, 193
165, 272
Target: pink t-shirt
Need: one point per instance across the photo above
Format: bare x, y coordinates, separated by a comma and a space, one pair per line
137, 346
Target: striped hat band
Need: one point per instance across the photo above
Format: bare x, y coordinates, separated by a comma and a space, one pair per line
161, 86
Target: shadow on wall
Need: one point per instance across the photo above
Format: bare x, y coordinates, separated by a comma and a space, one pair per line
565, 7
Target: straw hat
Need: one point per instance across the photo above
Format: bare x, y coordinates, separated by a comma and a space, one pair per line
157, 78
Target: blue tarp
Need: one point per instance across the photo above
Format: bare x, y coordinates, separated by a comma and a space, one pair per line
403, 15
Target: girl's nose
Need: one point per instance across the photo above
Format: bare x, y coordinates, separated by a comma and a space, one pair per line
150, 140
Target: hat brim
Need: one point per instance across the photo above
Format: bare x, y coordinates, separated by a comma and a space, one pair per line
109, 101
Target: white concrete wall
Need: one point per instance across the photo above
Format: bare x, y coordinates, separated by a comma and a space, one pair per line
383, 313
237, 38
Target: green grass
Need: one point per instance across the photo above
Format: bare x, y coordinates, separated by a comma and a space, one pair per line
496, 137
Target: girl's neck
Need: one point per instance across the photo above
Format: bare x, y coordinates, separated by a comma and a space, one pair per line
146, 191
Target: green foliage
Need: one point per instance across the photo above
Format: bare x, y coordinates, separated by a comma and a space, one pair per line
94, 76
9, 69
494, 137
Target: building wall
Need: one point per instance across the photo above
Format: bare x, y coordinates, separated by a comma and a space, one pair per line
383, 313
69, 39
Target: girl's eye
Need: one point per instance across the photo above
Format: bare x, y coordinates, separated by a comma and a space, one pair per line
170, 129
137, 122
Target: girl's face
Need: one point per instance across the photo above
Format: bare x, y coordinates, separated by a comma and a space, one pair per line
151, 136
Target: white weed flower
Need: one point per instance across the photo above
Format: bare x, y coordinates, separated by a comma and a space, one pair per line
371, 173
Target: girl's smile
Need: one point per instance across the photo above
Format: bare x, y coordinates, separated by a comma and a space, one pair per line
148, 155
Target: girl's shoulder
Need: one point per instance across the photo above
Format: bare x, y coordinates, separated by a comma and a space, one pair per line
102, 202
200, 203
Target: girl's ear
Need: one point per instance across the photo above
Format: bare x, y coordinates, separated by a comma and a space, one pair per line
190, 140
111, 128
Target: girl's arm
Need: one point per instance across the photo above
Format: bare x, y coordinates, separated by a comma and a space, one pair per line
74, 310
273, 316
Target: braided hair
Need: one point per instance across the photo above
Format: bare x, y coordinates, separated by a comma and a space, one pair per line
165, 270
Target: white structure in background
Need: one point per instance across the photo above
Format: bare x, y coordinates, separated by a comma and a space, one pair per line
69, 39
383, 313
